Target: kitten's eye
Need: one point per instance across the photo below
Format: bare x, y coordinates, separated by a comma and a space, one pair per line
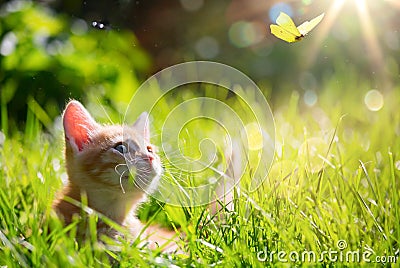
149, 149
121, 148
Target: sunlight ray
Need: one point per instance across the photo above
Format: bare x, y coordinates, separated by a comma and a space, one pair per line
395, 3
372, 45
322, 32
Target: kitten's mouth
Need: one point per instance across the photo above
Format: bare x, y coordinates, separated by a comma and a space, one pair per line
139, 174
125, 175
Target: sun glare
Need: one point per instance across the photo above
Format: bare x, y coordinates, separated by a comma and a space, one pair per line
370, 39
326, 25
395, 3
362, 12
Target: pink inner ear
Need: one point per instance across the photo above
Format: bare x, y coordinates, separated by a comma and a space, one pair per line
78, 125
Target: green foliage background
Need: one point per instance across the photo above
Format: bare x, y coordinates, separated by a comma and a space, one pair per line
52, 58
352, 195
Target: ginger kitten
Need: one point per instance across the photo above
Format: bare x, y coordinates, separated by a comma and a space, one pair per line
98, 161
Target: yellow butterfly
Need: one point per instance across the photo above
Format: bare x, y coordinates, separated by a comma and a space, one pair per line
289, 32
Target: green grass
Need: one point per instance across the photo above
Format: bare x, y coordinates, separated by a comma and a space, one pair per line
348, 190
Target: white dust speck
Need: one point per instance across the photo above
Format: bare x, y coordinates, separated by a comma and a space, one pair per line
212, 180
397, 165
56, 164
40, 176
2, 138
64, 178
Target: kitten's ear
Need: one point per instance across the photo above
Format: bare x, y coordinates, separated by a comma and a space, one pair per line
78, 125
142, 125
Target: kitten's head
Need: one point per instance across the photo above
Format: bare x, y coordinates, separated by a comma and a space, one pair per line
103, 157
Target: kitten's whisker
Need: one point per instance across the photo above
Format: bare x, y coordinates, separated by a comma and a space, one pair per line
139, 180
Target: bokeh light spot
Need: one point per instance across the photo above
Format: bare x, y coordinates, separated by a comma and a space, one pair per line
8, 44
278, 8
310, 98
192, 5
244, 34
15, 6
373, 100
254, 136
79, 27
207, 47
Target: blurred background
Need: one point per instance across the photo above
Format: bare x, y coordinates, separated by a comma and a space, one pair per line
101, 51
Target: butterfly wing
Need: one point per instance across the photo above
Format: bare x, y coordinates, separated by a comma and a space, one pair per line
307, 26
281, 33
287, 23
